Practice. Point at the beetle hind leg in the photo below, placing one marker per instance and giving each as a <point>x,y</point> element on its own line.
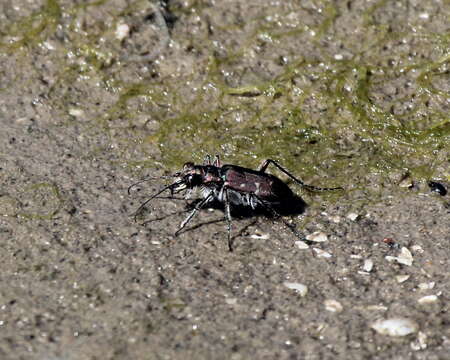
<point>267,162</point>
<point>275,213</point>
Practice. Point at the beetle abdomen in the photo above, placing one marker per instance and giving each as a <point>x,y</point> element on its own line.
<point>265,186</point>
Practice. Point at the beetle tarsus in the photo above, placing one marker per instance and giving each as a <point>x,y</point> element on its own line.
<point>267,162</point>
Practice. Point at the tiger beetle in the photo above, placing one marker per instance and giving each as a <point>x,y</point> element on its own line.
<point>233,186</point>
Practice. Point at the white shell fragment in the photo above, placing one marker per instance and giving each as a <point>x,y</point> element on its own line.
<point>300,288</point>
<point>352,216</point>
<point>317,236</point>
<point>428,299</point>
<point>231,301</point>
<point>395,326</point>
<point>76,112</point>
<point>321,253</point>
<point>302,245</point>
<point>401,278</point>
<point>258,235</point>
<point>421,343</point>
<point>405,257</point>
<point>426,286</point>
<point>368,265</point>
<point>333,305</point>
<point>122,31</point>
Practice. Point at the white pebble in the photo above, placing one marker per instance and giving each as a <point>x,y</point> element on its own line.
<point>231,301</point>
<point>317,236</point>
<point>426,286</point>
<point>421,343</point>
<point>336,219</point>
<point>301,245</point>
<point>352,216</point>
<point>427,299</point>
<point>405,257</point>
<point>417,249</point>
<point>76,112</point>
<point>338,56</point>
<point>122,31</point>
<point>300,288</point>
<point>395,326</point>
<point>321,253</point>
<point>401,278</point>
<point>368,265</point>
<point>260,236</point>
<point>333,305</point>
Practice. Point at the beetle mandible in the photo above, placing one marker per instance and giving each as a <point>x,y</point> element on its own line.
<point>232,186</point>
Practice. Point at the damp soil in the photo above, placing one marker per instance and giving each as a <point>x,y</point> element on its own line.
<point>97,95</point>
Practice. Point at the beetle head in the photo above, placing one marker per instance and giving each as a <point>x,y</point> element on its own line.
<point>190,176</point>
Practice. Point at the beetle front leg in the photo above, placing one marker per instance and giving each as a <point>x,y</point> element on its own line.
<point>197,207</point>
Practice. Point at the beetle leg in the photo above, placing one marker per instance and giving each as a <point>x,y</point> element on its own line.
<point>197,207</point>
<point>267,162</point>
<point>217,161</point>
<point>207,160</point>
<point>278,216</point>
<point>228,217</point>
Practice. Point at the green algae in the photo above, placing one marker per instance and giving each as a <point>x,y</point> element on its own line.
<point>34,28</point>
<point>321,116</point>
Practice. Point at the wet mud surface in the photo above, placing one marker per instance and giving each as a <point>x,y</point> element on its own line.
<point>353,95</point>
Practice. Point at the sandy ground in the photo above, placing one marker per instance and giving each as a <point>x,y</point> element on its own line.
<point>81,280</point>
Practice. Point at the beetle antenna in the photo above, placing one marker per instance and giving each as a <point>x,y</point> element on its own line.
<point>147,179</point>
<point>168,187</point>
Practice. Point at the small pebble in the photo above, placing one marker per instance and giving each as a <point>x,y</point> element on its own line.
<point>437,187</point>
<point>302,245</point>
<point>317,236</point>
<point>401,278</point>
<point>76,112</point>
<point>336,219</point>
<point>352,216</point>
<point>260,236</point>
<point>421,343</point>
<point>231,301</point>
<point>405,257</point>
<point>406,183</point>
<point>428,299</point>
<point>368,265</point>
<point>321,253</point>
<point>426,286</point>
<point>300,288</point>
<point>395,326</point>
<point>333,305</point>
<point>122,31</point>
